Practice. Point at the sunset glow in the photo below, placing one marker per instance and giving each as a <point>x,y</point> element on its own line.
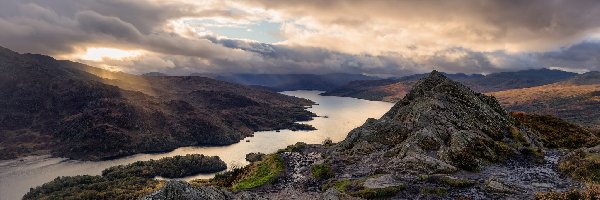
<point>99,54</point>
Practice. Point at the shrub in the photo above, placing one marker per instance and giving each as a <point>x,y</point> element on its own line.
<point>327,142</point>
<point>322,171</point>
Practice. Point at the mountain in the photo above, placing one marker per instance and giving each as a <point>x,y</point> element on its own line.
<point>576,99</point>
<point>285,82</point>
<point>443,126</point>
<point>441,141</point>
<point>81,112</point>
<point>392,90</point>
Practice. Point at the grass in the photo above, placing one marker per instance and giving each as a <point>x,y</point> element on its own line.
<point>322,171</point>
<point>555,132</point>
<point>261,173</point>
<point>582,165</point>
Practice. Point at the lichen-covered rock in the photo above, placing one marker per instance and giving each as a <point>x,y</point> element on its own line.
<point>442,126</point>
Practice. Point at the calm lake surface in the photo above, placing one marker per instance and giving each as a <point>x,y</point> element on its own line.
<point>343,114</point>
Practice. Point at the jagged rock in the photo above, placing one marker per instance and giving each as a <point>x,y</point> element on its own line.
<point>179,190</point>
<point>441,126</point>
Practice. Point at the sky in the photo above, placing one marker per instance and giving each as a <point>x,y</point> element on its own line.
<point>374,37</point>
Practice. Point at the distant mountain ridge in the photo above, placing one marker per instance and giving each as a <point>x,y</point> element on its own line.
<point>284,82</point>
<point>576,99</point>
<point>393,90</point>
<point>72,110</point>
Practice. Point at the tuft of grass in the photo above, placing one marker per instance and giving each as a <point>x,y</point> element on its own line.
<point>322,171</point>
<point>261,173</point>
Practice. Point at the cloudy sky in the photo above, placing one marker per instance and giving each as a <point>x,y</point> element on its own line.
<point>380,37</point>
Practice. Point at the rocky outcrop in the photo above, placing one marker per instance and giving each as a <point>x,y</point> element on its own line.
<point>441,126</point>
<point>176,190</point>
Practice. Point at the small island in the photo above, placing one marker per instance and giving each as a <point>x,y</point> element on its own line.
<point>127,181</point>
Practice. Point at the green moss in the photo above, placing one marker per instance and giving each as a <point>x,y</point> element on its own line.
<point>263,172</point>
<point>342,185</point>
<point>322,171</point>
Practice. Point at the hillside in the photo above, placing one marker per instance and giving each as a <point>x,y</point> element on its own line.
<point>576,100</point>
<point>286,82</point>
<point>441,141</point>
<point>77,111</point>
<point>392,90</point>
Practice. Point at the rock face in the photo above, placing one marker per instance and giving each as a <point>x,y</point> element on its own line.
<point>441,126</point>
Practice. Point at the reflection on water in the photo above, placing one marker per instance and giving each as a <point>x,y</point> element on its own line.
<point>343,114</point>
